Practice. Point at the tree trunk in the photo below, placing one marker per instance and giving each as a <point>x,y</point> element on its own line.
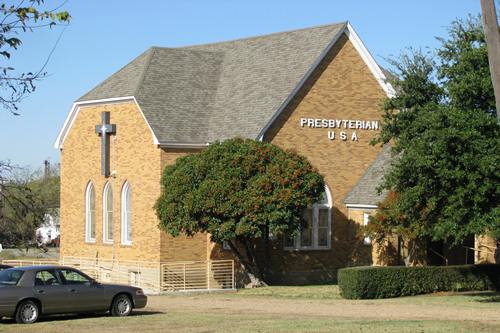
<point>249,264</point>
<point>267,251</point>
<point>417,253</point>
<point>492,34</point>
<point>497,252</point>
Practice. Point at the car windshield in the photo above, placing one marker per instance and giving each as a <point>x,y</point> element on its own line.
<point>10,276</point>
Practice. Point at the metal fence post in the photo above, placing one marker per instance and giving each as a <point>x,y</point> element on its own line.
<point>162,279</point>
<point>208,274</point>
<point>184,275</point>
<point>233,283</point>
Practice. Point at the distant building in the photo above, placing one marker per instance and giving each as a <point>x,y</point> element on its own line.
<point>49,231</point>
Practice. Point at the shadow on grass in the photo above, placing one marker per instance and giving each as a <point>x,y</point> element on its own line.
<point>72,316</point>
<point>480,296</point>
<point>486,297</point>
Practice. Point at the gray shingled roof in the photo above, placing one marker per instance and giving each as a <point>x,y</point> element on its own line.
<point>211,92</point>
<point>365,192</point>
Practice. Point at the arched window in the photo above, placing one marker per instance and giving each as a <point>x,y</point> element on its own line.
<point>107,210</point>
<point>126,214</point>
<point>90,213</point>
<point>316,234</point>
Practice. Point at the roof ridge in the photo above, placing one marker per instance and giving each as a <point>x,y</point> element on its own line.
<point>263,36</point>
<point>150,56</point>
<point>186,49</point>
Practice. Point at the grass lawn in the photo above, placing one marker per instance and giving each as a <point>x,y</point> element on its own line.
<point>289,309</point>
<point>32,253</point>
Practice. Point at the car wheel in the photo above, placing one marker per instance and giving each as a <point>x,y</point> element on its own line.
<point>27,312</point>
<point>121,306</point>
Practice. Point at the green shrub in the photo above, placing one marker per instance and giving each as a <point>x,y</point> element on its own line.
<point>395,281</point>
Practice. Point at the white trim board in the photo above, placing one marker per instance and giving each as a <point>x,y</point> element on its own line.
<point>362,206</point>
<point>183,145</point>
<point>368,59</point>
<point>75,109</point>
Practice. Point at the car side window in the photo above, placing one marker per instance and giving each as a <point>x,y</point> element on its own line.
<point>73,277</point>
<point>46,278</point>
<point>10,277</point>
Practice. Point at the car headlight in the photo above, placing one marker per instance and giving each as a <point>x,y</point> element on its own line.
<point>139,292</point>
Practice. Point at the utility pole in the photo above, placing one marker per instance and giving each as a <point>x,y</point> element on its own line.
<point>1,200</point>
<point>492,34</point>
<point>46,169</point>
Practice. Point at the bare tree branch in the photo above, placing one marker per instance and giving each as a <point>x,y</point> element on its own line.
<point>27,15</point>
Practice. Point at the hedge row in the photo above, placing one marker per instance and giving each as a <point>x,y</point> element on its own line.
<point>395,281</point>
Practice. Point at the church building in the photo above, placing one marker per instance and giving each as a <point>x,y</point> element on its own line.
<point>316,91</point>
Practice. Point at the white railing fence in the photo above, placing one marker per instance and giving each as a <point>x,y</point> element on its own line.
<point>153,277</point>
<point>198,275</point>
<point>29,262</point>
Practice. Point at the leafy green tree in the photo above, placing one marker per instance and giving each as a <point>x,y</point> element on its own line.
<point>445,140</point>
<point>463,69</point>
<point>239,191</point>
<point>20,17</point>
<point>447,176</point>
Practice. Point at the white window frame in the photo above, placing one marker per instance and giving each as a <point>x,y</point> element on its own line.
<point>105,222</point>
<point>366,218</point>
<point>125,209</point>
<point>88,214</point>
<point>315,219</point>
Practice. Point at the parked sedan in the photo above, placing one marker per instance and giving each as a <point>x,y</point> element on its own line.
<point>28,292</point>
<point>2,267</point>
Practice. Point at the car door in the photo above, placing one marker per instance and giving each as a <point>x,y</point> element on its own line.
<point>84,293</point>
<point>49,289</point>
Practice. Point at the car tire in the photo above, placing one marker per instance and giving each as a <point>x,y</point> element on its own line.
<point>121,306</point>
<point>27,312</point>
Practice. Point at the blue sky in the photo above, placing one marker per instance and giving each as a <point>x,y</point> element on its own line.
<point>105,35</point>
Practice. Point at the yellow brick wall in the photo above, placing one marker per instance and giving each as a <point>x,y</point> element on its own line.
<point>486,246</point>
<point>341,88</point>
<point>367,253</point>
<point>135,158</point>
<point>373,253</point>
<point>181,247</point>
